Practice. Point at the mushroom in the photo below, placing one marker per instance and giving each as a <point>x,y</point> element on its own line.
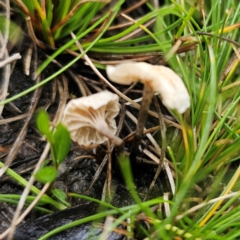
<point>90,119</point>
<point>160,79</point>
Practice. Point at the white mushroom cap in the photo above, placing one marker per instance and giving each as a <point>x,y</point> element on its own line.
<point>162,79</point>
<point>91,119</point>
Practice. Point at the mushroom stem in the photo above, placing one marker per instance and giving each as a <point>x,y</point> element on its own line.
<point>142,118</point>
<point>118,142</point>
<point>114,139</point>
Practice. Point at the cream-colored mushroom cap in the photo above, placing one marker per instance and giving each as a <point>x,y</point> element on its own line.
<point>162,79</point>
<point>90,119</point>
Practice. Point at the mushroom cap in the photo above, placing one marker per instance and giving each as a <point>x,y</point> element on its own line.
<point>169,85</point>
<point>128,72</point>
<point>163,80</point>
<point>88,117</point>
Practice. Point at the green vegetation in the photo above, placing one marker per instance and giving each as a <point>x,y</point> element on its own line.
<point>201,45</point>
<point>53,20</point>
<point>59,140</point>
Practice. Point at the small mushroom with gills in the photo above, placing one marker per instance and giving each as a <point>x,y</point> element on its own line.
<point>91,119</point>
<point>159,79</point>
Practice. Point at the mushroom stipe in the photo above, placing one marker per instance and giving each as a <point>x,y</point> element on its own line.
<point>142,118</point>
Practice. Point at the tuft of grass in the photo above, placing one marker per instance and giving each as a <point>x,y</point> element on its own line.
<point>50,21</point>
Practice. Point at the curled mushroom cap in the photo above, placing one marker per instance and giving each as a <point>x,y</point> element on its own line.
<point>162,79</point>
<point>90,120</point>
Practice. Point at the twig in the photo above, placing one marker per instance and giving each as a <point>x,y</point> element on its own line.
<point>109,171</point>
<point>27,60</point>
<point>32,34</point>
<point>13,119</point>
<point>10,59</point>
<point>220,37</point>
<point>164,146</point>
<point>142,117</point>
<point>4,82</point>
<point>138,30</point>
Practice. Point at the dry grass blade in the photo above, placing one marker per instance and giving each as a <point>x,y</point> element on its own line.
<point>137,31</point>
<point>201,205</point>
<point>32,34</point>
<point>109,170</point>
<point>232,63</point>
<point>220,37</point>
<point>27,60</point>
<point>98,172</point>
<point>10,59</point>
<point>12,119</point>
<point>6,33</point>
<point>4,82</point>
<point>106,228</point>
<point>166,204</point>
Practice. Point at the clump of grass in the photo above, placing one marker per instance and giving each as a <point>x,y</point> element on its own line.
<point>50,21</point>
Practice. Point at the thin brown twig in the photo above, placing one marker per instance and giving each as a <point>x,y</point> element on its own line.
<point>132,8</point>
<point>219,36</point>
<point>53,94</point>
<point>109,170</point>
<point>98,172</point>
<point>164,146</point>
<point>32,34</point>
<point>142,117</point>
